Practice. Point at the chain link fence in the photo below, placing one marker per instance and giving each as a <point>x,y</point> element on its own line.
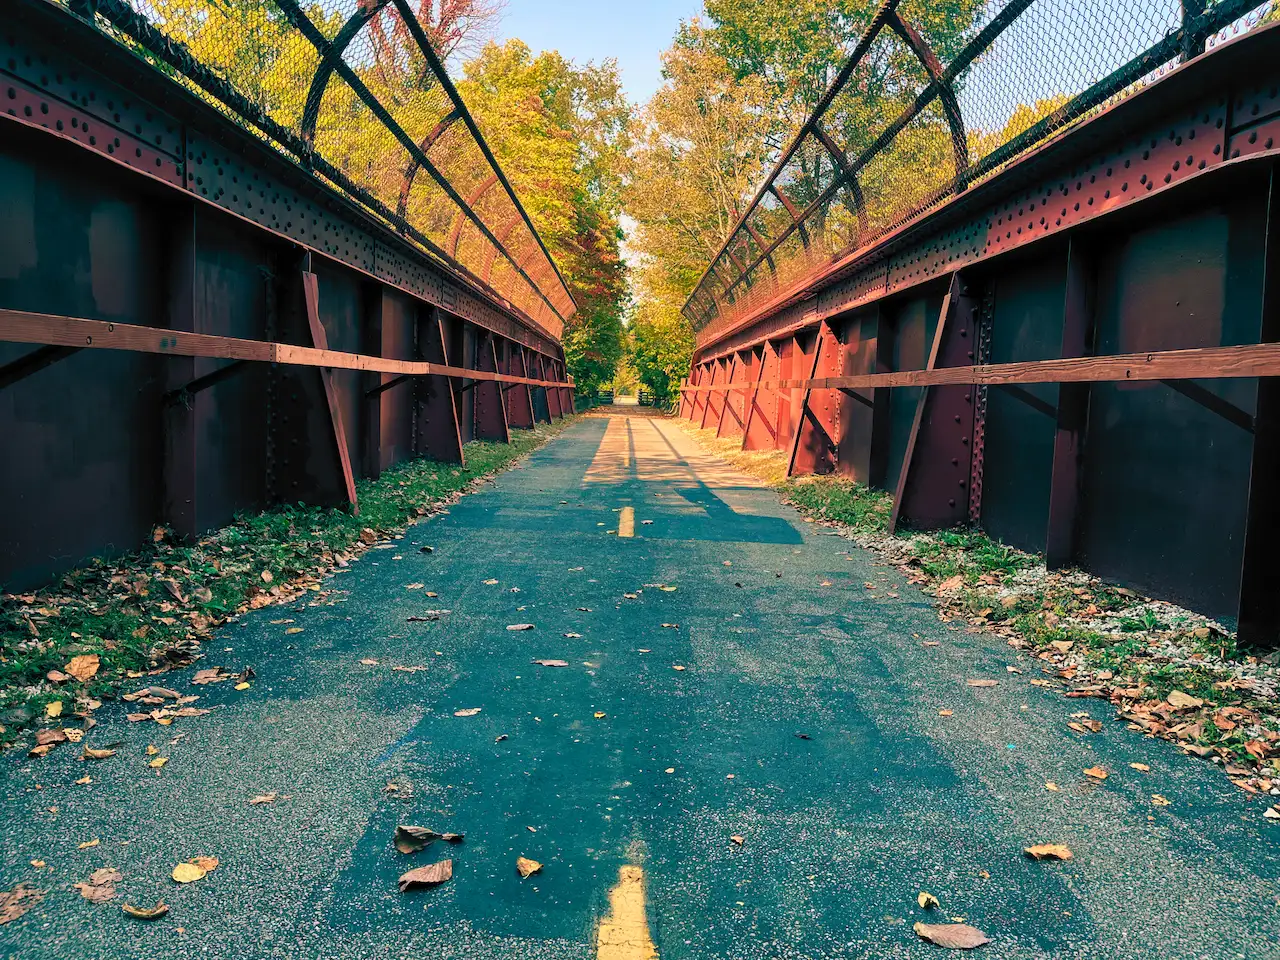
<point>354,91</point>
<point>934,98</point>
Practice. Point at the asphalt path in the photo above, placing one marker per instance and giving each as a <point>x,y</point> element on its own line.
<point>770,696</point>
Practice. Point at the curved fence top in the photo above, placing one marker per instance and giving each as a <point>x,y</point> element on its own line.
<point>353,90</point>
<point>934,98</point>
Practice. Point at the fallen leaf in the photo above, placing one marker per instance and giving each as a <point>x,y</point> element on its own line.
<point>468,712</point>
<point>53,708</point>
<point>944,713</point>
<point>414,586</point>
<point>158,762</point>
<point>428,876</point>
<point>1159,801</point>
<point>413,839</point>
<point>38,864</point>
<point>147,913</point>
<point>982,683</point>
<point>520,626</point>
<point>292,630</point>
<point>739,840</point>
<point>526,867</point>
<point>188,873</point>
<point>600,714</point>
<point>1051,786</point>
<point>499,738</point>
<point>927,901</point>
<point>14,903</point>
<point>83,667</point>
<point>955,936</point>
<point>207,864</point>
<point>1097,773</point>
<point>951,583</point>
<point>1038,682</point>
<point>1182,701</point>
<point>369,662</point>
<point>242,686</point>
<point>1049,851</point>
<point>1271,813</point>
<point>551,663</point>
<point>1142,767</point>
<point>262,798</point>
<point>574,636</point>
<point>676,666</point>
<point>490,582</point>
<point>88,844</point>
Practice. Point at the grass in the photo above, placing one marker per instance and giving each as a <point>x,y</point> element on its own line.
<point>152,606</point>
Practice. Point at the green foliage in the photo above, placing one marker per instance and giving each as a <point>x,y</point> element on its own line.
<point>561,133</point>
<point>661,344</point>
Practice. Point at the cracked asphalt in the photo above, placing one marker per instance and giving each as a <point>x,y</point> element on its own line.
<point>805,720</point>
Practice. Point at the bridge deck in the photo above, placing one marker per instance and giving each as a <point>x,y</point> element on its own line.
<point>778,636</point>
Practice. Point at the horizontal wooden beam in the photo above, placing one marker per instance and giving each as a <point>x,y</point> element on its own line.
<point>17,326</point>
<point>1200,363</point>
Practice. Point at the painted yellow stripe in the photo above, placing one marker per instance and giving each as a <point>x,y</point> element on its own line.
<point>627,522</point>
<point>624,933</point>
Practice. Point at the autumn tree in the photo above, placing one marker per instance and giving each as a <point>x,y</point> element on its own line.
<point>561,132</point>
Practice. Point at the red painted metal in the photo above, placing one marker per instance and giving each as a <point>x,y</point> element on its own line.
<point>816,443</point>
<point>933,484</point>
<point>519,400</point>
<point>490,410</point>
<point>761,432</point>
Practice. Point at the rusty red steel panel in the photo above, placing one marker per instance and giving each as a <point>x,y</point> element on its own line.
<point>790,362</point>
<point>933,484</point>
<point>762,413</point>
<point>490,410</point>
<point>816,443</point>
<point>731,419</point>
<point>519,400</point>
<point>436,413</point>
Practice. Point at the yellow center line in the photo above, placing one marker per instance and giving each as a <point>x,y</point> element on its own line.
<point>624,933</point>
<point>627,522</point>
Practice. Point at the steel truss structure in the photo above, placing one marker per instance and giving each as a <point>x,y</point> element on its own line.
<point>195,323</point>
<point>1078,354</point>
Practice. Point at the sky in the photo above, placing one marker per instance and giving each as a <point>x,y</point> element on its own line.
<point>633,31</point>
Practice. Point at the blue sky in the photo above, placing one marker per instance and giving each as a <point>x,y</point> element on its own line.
<point>633,31</point>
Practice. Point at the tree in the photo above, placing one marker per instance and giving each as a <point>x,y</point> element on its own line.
<point>561,133</point>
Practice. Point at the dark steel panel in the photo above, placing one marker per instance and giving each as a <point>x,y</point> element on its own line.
<point>230,300</point>
<point>1017,436</point>
<point>399,317</point>
<point>1165,479</point>
<point>914,323</point>
<point>86,429</point>
<point>857,416</point>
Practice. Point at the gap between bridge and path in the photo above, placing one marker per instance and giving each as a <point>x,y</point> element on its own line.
<point>728,676</point>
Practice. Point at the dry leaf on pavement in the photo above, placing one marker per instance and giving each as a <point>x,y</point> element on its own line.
<point>147,913</point>
<point>14,903</point>
<point>53,708</point>
<point>262,798</point>
<point>83,667</point>
<point>1097,773</point>
<point>1141,767</point>
<point>982,683</point>
<point>1049,851</point>
<point>413,839</point>
<point>100,887</point>
<point>88,844</point>
<point>955,936</point>
<point>927,901</point>
<point>468,712</point>
<point>188,873</point>
<point>1159,801</point>
<point>551,663</point>
<point>520,626</point>
<point>738,839</point>
<point>526,867</point>
<point>428,876</point>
